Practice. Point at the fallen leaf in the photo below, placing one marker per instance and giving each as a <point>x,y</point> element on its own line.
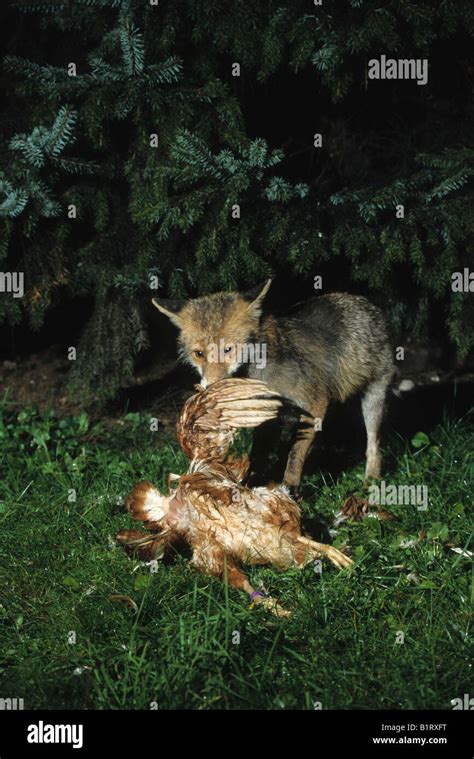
<point>125,600</point>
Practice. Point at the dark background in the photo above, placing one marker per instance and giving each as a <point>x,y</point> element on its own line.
<point>86,281</point>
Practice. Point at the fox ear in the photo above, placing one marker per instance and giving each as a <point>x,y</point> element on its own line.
<point>255,304</point>
<point>170,308</point>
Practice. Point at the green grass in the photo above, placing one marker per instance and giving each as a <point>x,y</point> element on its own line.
<point>181,649</point>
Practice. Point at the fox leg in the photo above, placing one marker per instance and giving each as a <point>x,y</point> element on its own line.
<point>302,444</point>
<point>373,402</point>
<point>319,550</point>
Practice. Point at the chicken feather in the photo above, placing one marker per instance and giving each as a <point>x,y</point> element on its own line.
<point>225,523</point>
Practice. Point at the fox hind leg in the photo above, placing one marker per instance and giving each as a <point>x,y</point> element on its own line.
<point>302,445</point>
<point>373,402</point>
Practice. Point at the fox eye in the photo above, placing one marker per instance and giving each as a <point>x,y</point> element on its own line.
<point>228,349</point>
<point>199,354</point>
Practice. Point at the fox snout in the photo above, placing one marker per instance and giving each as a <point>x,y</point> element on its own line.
<point>216,332</point>
<point>213,367</point>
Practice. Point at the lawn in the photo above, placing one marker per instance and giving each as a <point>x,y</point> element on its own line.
<point>390,633</point>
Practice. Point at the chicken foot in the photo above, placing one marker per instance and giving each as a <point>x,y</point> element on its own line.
<point>320,550</point>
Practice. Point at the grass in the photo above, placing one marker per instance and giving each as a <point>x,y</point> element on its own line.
<point>191,643</point>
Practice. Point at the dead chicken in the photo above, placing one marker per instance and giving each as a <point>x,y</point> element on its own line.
<point>225,523</point>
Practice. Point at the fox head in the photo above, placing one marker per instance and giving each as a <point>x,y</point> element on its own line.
<point>214,329</point>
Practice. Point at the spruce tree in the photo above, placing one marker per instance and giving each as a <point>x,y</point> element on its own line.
<point>127,162</point>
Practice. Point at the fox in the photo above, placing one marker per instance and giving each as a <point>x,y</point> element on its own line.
<point>328,349</point>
